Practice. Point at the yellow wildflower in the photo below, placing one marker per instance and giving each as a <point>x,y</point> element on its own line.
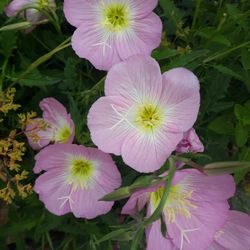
<point>6,101</point>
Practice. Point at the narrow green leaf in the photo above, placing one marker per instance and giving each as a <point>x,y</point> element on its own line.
<point>118,194</point>
<point>137,239</point>
<point>220,168</point>
<point>225,70</point>
<point>245,59</point>
<point>164,54</point>
<point>212,35</point>
<point>16,26</point>
<point>171,11</point>
<point>241,134</point>
<point>184,60</point>
<point>123,232</point>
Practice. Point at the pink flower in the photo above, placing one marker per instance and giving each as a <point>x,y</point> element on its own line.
<point>195,209</point>
<point>235,234</point>
<point>33,12</point>
<point>190,143</point>
<point>109,31</point>
<point>76,178</point>
<point>144,114</point>
<point>56,125</point>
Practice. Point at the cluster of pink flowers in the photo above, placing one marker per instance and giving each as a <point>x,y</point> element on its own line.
<point>144,117</point>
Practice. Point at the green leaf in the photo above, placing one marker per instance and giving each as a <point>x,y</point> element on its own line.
<point>8,42</point>
<point>118,194</point>
<point>222,125</point>
<point>124,192</point>
<point>164,54</point>
<point>3,4</point>
<point>212,35</point>
<point>163,227</point>
<point>227,71</point>
<point>171,11</point>
<point>241,134</point>
<point>240,175</point>
<point>243,156</point>
<point>16,26</point>
<point>184,60</point>
<point>220,168</point>
<point>36,79</point>
<point>242,113</point>
<point>17,227</point>
<point>122,233</point>
<point>245,58</point>
<point>137,239</point>
<point>70,75</point>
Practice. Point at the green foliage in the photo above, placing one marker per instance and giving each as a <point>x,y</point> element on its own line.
<point>212,38</point>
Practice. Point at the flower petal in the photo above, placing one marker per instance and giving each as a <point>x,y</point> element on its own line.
<point>190,143</point>
<point>85,203</point>
<point>108,124</point>
<point>52,109</point>
<point>155,239</point>
<point>78,11</point>
<point>141,38</point>
<point>205,220</point>
<point>141,8</point>
<point>56,115</point>
<point>108,176</point>
<point>236,232</point>
<point>216,246</point>
<point>182,99</point>
<point>15,6</point>
<point>93,42</point>
<point>148,152</point>
<point>55,156</point>
<point>208,188</point>
<point>51,187</point>
<point>45,136</point>
<point>137,201</point>
<point>137,79</point>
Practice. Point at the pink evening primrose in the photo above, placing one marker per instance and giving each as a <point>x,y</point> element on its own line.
<point>143,115</point>
<point>76,178</point>
<point>58,125</point>
<point>190,143</point>
<point>235,234</point>
<point>32,13</point>
<point>195,210</point>
<point>109,31</point>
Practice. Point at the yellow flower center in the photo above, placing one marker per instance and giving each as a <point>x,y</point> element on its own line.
<point>149,117</point>
<point>116,17</point>
<point>62,134</point>
<point>177,202</point>
<point>81,171</point>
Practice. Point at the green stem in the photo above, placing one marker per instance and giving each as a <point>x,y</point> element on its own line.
<point>216,56</point>
<point>158,211</point>
<point>43,59</point>
<point>196,13</point>
<point>156,215</point>
<point>218,11</point>
<point>188,162</point>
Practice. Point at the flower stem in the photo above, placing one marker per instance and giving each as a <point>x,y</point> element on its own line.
<point>43,59</point>
<point>216,56</point>
<point>155,216</point>
<point>196,13</point>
